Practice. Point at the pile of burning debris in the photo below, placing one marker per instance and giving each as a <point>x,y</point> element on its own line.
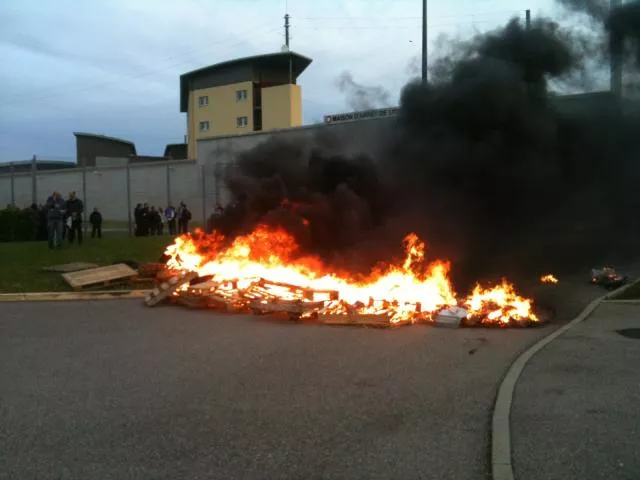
<point>264,273</point>
<point>607,277</point>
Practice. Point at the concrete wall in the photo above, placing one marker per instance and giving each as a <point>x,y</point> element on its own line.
<point>5,192</point>
<point>62,181</point>
<point>199,184</point>
<point>104,162</point>
<point>350,138</point>
<point>106,187</point>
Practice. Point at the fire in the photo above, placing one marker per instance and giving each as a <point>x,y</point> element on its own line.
<point>499,304</point>
<point>550,278</point>
<point>267,263</point>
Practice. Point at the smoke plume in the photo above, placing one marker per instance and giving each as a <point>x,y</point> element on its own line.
<point>498,174</point>
<point>359,96</point>
<point>596,9</point>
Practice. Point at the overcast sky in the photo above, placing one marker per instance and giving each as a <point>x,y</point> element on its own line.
<point>112,66</point>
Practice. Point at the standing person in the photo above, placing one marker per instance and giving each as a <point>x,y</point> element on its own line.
<point>170,215</point>
<point>154,219</point>
<point>146,219</point>
<point>137,215</point>
<point>55,216</point>
<point>75,207</point>
<point>96,223</point>
<point>184,215</point>
<point>161,221</point>
<point>65,225</point>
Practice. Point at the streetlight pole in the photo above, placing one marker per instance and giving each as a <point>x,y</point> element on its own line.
<point>424,41</point>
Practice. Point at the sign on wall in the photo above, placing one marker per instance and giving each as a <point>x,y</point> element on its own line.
<point>365,114</point>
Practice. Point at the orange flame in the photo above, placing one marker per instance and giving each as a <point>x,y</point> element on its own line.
<point>549,279</point>
<point>499,304</point>
<point>410,291</point>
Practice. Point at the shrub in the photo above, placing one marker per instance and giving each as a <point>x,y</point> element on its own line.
<point>18,225</point>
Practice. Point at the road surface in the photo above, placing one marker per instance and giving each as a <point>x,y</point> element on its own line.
<point>115,390</point>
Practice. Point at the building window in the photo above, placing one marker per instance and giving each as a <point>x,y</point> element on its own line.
<point>241,95</point>
<point>242,122</point>
<point>204,126</point>
<point>203,101</point>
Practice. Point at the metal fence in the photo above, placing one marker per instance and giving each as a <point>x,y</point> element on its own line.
<point>117,190</point>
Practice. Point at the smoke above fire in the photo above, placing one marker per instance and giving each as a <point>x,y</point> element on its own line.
<point>360,96</point>
<point>494,170</point>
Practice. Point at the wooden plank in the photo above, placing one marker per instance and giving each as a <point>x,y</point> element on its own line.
<point>151,269</point>
<point>100,275</point>
<point>167,288</point>
<point>292,306</point>
<point>305,292</point>
<point>70,267</point>
<point>364,319</point>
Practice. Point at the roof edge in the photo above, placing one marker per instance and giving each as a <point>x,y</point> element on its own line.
<point>103,137</point>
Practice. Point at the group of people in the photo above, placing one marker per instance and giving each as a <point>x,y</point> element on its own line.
<point>151,220</point>
<point>64,219</point>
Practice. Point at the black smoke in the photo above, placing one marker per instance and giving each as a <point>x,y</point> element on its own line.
<point>623,25</point>
<point>496,172</point>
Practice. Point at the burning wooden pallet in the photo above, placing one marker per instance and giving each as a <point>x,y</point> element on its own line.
<point>295,309</point>
<point>267,289</point>
<point>376,320</point>
<point>166,289</point>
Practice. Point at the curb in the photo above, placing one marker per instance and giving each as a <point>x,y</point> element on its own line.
<point>623,302</point>
<point>501,462</point>
<point>73,296</point>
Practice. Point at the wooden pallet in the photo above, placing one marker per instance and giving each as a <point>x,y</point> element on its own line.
<point>101,276</point>
<point>295,307</point>
<point>267,287</point>
<point>70,267</point>
<point>378,320</point>
<point>150,270</point>
<point>167,288</point>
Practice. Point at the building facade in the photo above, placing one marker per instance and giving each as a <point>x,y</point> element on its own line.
<point>241,96</point>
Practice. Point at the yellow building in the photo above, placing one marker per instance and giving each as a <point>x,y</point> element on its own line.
<point>243,95</point>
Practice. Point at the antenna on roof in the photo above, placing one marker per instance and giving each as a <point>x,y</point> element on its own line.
<point>285,47</point>
<point>286,30</point>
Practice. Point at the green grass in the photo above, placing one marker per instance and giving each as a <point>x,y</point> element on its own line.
<point>631,293</point>
<point>21,263</point>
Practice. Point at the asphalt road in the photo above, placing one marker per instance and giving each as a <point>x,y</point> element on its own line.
<point>576,408</point>
<point>115,390</point>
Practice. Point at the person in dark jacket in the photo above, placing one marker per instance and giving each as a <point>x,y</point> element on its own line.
<point>137,215</point>
<point>75,208</point>
<point>146,220</point>
<point>96,223</point>
<point>55,214</point>
<point>161,221</point>
<point>184,215</point>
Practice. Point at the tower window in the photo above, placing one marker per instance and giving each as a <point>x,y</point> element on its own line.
<point>242,122</point>
<point>203,101</point>
<point>241,95</point>
<point>204,126</point>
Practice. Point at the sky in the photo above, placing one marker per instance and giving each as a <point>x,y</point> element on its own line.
<point>112,67</point>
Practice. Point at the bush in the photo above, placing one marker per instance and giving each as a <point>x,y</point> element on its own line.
<point>18,225</point>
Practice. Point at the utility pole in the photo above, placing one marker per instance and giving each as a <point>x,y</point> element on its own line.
<point>616,57</point>
<point>528,19</point>
<point>424,42</point>
<point>34,180</point>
